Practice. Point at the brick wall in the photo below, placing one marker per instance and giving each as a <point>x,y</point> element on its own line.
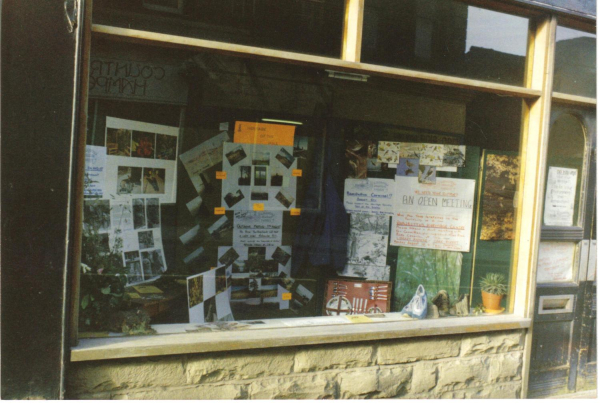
<point>486,365</point>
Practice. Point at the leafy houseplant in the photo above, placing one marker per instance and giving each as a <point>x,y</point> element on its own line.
<point>493,289</point>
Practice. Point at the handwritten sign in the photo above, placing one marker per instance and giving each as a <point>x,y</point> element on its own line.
<point>372,195</point>
<point>95,163</point>
<point>560,196</point>
<point>555,261</point>
<point>257,229</point>
<point>264,133</point>
<point>434,216</point>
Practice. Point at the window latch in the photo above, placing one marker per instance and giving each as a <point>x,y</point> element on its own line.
<point>71,7</point>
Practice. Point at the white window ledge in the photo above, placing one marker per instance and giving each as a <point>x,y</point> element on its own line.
<point>177,339</point>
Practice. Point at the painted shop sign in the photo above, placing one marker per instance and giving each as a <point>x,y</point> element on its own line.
<point>136,80</point>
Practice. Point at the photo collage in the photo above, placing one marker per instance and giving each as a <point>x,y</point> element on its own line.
<point>208,296</point>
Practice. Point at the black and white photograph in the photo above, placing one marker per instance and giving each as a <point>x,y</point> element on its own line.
<point>133,266</point>
<point>239,266</point>
<point>281,256</point>
<point>284,199</point>
<point>166,147</point>
<point>152,263</point>
<point>229,257</point>
<point>118,142</point>
<point>277,176</point>
<point>153,213</point>
<point>154,181</point>
<point>220,280</point>
<point>259,195</point>
<point>245,176</point>
<point>139,213</point>
<point>129,180</point>
<point>260,176</point>
<point>96,215</point>
<point>368,239</point>
<point>285,158</point>
<point>236,155</point>
<point>261,158</point>
<point>220,227</point>
<point>233,197</point>
<point>210,310</point>
<point>300,147</point>
<point>146,239</point>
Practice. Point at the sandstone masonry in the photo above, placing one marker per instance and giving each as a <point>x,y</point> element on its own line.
<point>485,365</point>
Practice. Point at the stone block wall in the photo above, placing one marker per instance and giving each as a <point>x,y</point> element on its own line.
<point>483,365</point>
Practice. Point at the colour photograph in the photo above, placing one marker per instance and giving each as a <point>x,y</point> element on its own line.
<point>195,291</point>
<point>142,144</point>
<point>118,142</point>
<point>284,199</point>
<point>260,176</point>
<point>245,176</point>
<point>166,147</point>
<point>154,181</point>
<point>129,180</point>
<point>146,239</point>
<point>233,197</point>
<point>285,158</point>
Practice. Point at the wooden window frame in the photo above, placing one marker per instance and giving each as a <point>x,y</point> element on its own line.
<point>537,97</point>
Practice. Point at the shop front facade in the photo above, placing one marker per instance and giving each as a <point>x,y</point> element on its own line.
<point>252,199</point>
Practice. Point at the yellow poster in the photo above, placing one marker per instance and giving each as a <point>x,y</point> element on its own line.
<point>264,133</point>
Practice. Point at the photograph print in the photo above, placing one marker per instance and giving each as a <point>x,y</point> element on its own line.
<point>229,257</point>
<point>118,142</point>
<point>300,147</point>
<point>236,155</point>
<point>220,228</point>
<point>154,181</point>
<point>166,147</point>
<point>281,256</point>
<point>139,213</point>
<point>284,199</point>
<point>285,158</point>
<point>96,215</point>
<point>232,198</point>
<point>259,194</point>
<point>146,239</point>
<point>220,280</point>
<point>261,158</point>
<point>142,144</point>
<point>152,263</point>
<point>245,176</point>
<point>153,213</point>
<point>210,310</point>
<point>427,174</point>
<point>277,176</point>
<point>454,156</point>
<point>133,267</point>
<point>129,180</point>
<point>195,291</point>
<point>407,167</point>
<point>260,176</point>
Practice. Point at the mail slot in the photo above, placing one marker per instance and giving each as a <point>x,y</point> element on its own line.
<point>556,304</point>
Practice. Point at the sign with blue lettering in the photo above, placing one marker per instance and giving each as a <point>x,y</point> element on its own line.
<point>371,195</point>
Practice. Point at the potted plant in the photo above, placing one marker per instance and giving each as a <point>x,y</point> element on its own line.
<point>493,289</point>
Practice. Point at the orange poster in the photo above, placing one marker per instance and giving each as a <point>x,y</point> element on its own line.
<point>264,133</point>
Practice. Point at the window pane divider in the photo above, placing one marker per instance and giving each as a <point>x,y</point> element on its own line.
<point>577,100</point>
<point>158,39</point>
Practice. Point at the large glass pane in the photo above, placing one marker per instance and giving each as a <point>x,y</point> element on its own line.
<point>305,26</point>
<point>566,159</point>
<point>447,37</point>
<point>575,62</point>
<point>222,188</point>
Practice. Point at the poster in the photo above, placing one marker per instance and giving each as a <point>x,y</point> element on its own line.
<point>257,271</point>
<point>208,296</point>
<point>258,174</point>
<point>500,187</point>
<point>202,157</point>
<point>434,269</point>
<point>560,196</point>
<point>429,154</point>
<point>257,229</point>
<point>433,216</point>
<point>264,133</point>
<point>141,160</point>
<point>95,166</point>
<point>372,195</point>
<point>555,261</point>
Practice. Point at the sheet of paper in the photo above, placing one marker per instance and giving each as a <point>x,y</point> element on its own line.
<point>431,154</point>
<point>372,195</point>
<point>202,157</point>
<point>264,133</point>
<point>258,173</point>
<point>257,229</point>
<point>208,296</point>
<point>141,160</point>
<point>433,216</point>
<point>560,196</point>
<point>95,170</point>
<point>555,261</point>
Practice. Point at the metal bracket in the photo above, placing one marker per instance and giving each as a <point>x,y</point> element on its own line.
<point>71,11</point>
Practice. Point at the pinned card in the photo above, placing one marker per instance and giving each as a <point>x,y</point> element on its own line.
<point>295,212</point>
<point>220,211</point>
<point>296,172</point>
<point>286,296</point>
<point>259,207</point>
<point>221,175</point>
<point>264,133</point>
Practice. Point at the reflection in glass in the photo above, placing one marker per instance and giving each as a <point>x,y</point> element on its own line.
<point>448,37</point>
<point>575,62</point>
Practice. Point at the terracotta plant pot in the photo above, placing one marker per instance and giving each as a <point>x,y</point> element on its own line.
<point>490,301</point>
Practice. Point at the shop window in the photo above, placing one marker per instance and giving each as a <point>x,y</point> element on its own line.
<point>575,62</point>
<point>230,192</point>
<point>305,26</point>
<point>446,37</point>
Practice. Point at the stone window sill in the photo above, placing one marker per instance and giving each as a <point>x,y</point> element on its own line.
<point>177,339</point>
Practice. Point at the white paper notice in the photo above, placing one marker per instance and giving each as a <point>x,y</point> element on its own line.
<point>202,157</point>
<point>434,216</point>
<point>560,196</point>
<point>141,160</point>
<point>95,164</point>
<point>257,229</point>
<point>372,195</point>
<point>555,261</point>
